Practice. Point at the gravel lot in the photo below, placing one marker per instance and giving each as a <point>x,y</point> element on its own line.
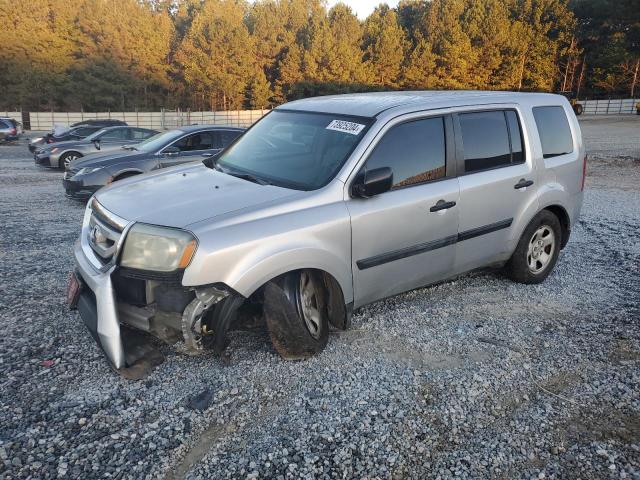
<point>478,377</point>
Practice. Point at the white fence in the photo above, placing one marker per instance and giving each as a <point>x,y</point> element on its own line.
<point>158,120</point>
<point>240,118</point>
<point>609,107</point>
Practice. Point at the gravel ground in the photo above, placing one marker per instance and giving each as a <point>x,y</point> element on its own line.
<point>478,377</point>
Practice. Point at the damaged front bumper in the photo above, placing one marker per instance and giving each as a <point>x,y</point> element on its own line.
<point>112,297</point>
<point>98,309</point>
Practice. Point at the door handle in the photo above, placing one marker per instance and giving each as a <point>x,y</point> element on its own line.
<point>523,183</point>
<point>442,205</point>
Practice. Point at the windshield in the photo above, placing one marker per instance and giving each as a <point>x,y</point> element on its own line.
<point>158,141</point>
<point>299,150</point>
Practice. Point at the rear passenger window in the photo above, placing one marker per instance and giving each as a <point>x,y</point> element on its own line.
<point>553,127</point>
<point>415,152</point>
<point>491,139</point>
<point>139,134</point>
<point>228,136</point>
<point>515,136</point>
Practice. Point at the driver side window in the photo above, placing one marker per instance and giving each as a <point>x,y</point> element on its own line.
<point>195,142</point>
<point>415,151</point>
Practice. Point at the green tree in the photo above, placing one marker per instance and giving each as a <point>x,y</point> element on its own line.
<point>122,55</point>
<point>385,46</point>
<point>216,58</point>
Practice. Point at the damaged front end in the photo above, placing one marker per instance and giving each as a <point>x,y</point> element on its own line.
<point>111,296</point>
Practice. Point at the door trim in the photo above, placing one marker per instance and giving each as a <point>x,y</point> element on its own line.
<point>394,255</point>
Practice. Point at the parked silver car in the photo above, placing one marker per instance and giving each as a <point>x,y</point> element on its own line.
<point>328,204</point>
<point>86,175</point>
<point>61,154</point>
<point>10,129</point>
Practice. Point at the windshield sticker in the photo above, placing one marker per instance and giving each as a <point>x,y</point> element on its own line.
<point>345,127</point>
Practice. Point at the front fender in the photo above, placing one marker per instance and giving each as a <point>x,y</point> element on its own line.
<point>250,276</point>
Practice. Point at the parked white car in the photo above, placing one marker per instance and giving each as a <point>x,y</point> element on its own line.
<point>325,205</point>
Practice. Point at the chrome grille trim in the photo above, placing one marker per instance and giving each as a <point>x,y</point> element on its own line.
<point>107,217</point>
<point>102,254</point>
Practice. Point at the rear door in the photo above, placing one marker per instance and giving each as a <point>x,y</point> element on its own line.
<point>405,238</point>
<point>497,183</point>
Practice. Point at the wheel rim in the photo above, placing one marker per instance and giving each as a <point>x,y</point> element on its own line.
<point>310,304</point>
<point>68,159</point>
<point>541,248</point>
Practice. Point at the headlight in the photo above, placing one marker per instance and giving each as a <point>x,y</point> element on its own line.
<point>35,140</point>
<point>161,249</point>
<point>85,170</point>
<point>54,150</point>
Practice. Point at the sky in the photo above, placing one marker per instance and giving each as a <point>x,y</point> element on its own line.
<point>363,8</point>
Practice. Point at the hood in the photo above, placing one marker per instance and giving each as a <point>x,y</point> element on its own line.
<point>67,144</point>
<point>108,158</point>
<point>180,196</point>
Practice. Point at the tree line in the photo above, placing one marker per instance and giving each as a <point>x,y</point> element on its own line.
<point>230,54</point>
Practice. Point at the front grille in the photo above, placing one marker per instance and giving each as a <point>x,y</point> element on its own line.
<point>104,232</point>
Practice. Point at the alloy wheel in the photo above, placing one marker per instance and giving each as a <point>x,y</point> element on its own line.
<point>310,301</point>
<point>541,249</point>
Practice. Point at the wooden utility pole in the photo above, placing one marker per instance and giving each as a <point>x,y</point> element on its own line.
<point>581,76</point>
<point>634,79</point>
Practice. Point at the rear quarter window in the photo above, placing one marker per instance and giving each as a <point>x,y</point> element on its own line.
<point>554,131</point>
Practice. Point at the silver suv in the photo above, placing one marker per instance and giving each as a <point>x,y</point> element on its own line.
<point>325,205</point>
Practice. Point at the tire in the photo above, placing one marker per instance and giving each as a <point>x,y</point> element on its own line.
<point>67,158</point>
<point>578,109</point>
<point>537,251</point>
<point>296,314</point>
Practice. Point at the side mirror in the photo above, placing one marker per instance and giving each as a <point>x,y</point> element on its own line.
<point>210,159</point>
<point>369,183</point>
<point>96,143</point>
<point>171,151</point>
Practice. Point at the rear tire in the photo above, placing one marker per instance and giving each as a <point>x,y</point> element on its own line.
<point>537,251</point>
<point>295,309</point>
<point>578,109</point>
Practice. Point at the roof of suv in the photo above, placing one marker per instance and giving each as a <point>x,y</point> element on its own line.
<point>374,103</point>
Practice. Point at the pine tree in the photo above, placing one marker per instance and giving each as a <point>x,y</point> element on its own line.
<point>216,58</point>
<point>384,45</point>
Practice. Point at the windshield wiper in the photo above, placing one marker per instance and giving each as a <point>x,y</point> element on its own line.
<point>242,175</point>
<point>249,177</point>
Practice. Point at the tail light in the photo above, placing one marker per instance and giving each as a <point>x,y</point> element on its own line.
<point>49,140</point>
<point>13,131</point>
<point>584,172</point>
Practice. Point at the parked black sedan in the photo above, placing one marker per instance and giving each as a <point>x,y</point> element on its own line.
<point>186,144</point>
<point>76,131</point>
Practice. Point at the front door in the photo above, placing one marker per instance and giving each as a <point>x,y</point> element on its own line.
<point>497,184</point>
<point>405,238</point>
<point>115,138</point>
<point>193,147</point>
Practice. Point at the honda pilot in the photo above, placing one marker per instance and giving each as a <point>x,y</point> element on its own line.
<point>325,205</point>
